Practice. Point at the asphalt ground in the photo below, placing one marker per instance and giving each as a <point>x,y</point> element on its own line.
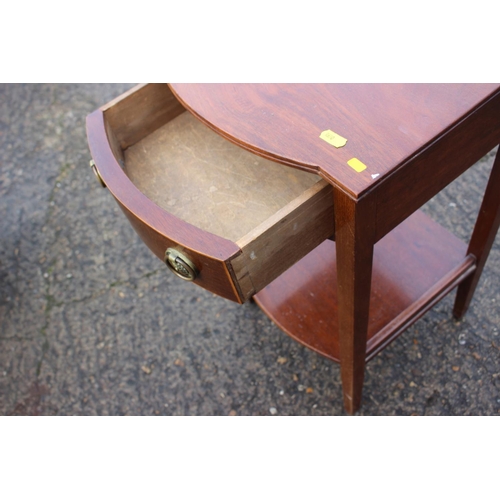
<point>91,323</point>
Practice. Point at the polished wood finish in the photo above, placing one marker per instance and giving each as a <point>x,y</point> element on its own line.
<point>384,124</point>
<point>424,175</point>
<point>414,267</point>
<point>485,230</point>
<point>415,139</point>
<point>355,237</point>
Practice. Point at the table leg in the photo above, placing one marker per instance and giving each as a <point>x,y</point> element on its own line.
<point>483,236</point>
<point>354,235</point>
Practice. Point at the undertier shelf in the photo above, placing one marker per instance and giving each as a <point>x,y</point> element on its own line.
<point>414,267</point>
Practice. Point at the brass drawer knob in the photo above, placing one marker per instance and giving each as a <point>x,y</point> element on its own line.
<point>93,166</point>
<point>180,265</point>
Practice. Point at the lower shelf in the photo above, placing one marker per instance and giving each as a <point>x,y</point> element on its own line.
<point>414,267</point>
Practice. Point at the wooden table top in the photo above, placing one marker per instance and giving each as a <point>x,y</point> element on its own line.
<point>385,124</point>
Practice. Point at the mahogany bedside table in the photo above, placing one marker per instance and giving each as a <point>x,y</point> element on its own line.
<point>318,219</point>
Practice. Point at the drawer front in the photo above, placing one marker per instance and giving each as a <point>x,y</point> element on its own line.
<point>211,273</point>
<point>156,227</point>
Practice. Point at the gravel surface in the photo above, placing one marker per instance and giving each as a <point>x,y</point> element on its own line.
<point>91,323</point>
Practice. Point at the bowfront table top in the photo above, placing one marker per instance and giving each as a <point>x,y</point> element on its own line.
<point>384,124</point>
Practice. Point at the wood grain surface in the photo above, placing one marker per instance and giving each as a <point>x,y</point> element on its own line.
<point>354,238</point>
<point>139,112</point>
<point>284,238</point>
<point>482,239</point>
<point>384,124</point>
<point>412,265</point>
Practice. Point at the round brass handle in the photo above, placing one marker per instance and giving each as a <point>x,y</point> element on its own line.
<point>180,265</point>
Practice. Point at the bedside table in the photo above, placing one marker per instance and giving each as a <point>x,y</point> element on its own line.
<point>306,198</point>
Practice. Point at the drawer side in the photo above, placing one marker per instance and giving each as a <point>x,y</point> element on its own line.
<point>140,112</point>
<point>283,239</point>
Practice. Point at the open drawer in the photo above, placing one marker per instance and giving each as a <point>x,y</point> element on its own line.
<point>217,214</point>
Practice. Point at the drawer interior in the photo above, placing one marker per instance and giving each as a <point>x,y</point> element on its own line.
<point>200,177</point>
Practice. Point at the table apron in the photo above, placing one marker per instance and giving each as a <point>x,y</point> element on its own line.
<point>436,166</point>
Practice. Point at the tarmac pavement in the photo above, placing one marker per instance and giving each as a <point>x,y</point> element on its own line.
<point>91,323</point>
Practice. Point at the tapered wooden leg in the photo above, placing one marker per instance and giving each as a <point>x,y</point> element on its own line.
<point>354,235</point>
<point>483,236</point>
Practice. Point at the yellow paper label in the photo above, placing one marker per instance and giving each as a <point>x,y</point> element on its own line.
<point>332,138</point>
<point>356,165</point>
